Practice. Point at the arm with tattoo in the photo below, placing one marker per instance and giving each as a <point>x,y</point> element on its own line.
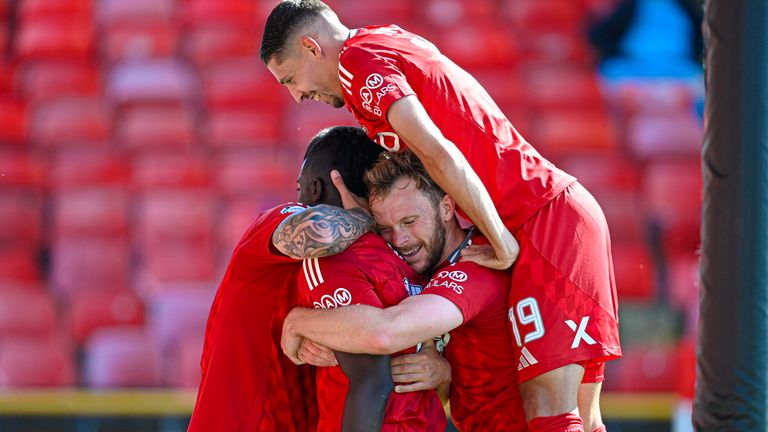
<point>320,231</point>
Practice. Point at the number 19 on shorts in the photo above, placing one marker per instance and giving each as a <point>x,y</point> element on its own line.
<point>525,313</point>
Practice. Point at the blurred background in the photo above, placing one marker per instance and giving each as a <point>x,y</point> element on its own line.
<point>139,139</point>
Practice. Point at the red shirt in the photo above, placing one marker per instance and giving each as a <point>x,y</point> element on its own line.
<point>484,389</point>
<point>381,64</point>
<point>368,272</point>
<point>247,384</point>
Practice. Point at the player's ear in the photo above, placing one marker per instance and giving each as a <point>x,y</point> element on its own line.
<point>447,208</point>
<point>317,190</point>
<point>310,45</point>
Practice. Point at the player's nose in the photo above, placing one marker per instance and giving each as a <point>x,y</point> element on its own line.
<point>400,237</point>
<point>297,95</point>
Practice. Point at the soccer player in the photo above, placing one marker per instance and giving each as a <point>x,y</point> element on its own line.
<point>246,383</point>
<point>417,218</point>
<point>368,272</point>
<point>406,94</point>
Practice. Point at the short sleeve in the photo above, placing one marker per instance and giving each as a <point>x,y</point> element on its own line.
<point>373,82</point>
<point>467,285</point>
<point>334,281</point>
<point>256,243</point>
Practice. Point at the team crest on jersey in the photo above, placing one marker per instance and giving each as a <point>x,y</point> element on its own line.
<point>291,209</point>
<point>412,289</point>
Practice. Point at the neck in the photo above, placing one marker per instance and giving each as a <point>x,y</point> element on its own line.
<point>454,237</point>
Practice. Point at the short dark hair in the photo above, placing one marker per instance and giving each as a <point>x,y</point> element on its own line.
<point>282,23</point>
<point>391,167</point>
<point>346,149</point>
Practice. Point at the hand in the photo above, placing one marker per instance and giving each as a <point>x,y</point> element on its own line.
<point>291,342</point>
<point>424,370</point>
<point>316,354</point>
<point>348,199</point>
<point>485,255</point>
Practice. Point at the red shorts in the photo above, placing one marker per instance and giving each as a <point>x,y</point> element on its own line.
<point>562,305</point>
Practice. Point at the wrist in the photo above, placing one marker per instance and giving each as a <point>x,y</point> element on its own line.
<point>364,217</point>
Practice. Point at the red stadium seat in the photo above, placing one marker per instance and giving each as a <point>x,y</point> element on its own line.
<point>301,122</point>
<point>178,314</point>
<point>95,210</point>
<point>26,313</point>
<point>550,15</point>
<point>563,88</point>
<point>36,9</point>
<point>182,368</point>
<point>241,81</point>
<point>138,40</point>
<point>6,72</point>
<point>21,170</point>
<point>644,368</point>
<point>625,213</point>
<point>634,271</point>
<point>600,171</point>
<point>254,127</point>
<point>156,81</point>
<point>46,78</point>
<point>174,214</point>
<point>447,13</point>
<point>156,129</point>
<point>36,362</point>
<point>93,309</point>
<point>673,192</point>
<point>238,13</point>
<point>479,45</point>
<point>121,357</point>
<point>683,280</point>
<point>659,136</point>
<point>19,264</point>
<point>211,43</point>
<point>69,121</point>
<point>21,217</point>
<point>87,168</point>
<point>503,85</point>
<point>13,121</point>
<point>254,173</point>
<point>555,48</point>
<point>361,13</point>
<point>239,215</point>
<point>55,38</point>
<point>170,172</point>
<point>86,261</point>
<point>117,12</point>
<point>563,133</point>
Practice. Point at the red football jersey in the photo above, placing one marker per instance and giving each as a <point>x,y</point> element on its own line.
<point>368,272</point>
<point>247,384</point>
<point>484,387</point>
<point>381,64</point>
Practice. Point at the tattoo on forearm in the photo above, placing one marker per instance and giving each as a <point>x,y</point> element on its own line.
<point>321,230</point>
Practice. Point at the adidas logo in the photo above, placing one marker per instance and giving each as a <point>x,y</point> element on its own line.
<point>526,359</point>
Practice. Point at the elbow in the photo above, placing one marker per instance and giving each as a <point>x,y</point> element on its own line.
<point>382,342</point>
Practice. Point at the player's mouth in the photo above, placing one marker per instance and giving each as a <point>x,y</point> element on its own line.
<point>410,252</point>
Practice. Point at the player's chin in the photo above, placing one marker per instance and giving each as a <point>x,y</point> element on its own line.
<point>337,103</point>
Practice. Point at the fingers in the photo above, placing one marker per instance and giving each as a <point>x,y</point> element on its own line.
<point>483,255</point>
<point>417,386</point>
<point>338,181</point>
<point>411,377</point>
<point>316,355</point>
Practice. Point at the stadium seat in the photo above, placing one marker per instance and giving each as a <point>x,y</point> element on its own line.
<point>182,367</point>
<point>601,171</point>
<point>121,357</point>
<point>301,122</point>
<point>634,270</point>
<point>36,362</point>
<point>259,126</point>
<point>6,73</point>
<point>563,133</point>
<point>555,48</point>
<point>19,264</point>
<point>117,12</point>
<point>152,81</point>
<point>479,45</point>
<point>644,368</point>
<point>503,84</point>
<point>235,13</point>
<point>174,214</point>
<point>169,172</point>
<point>562,88</point>
<point>22,170</point>
<point>21,217</point>
<point>12,121</point>
<point>673,192</point>
<point>83,262</point>
<point>549,15</point>
<point>138,40</point>
<point>659,136</point>
<point>683,280</point>
<point>238,216</point>
<point>217,42</point>
<point>626,215</point>
<point>363,13</point>
<point>26,313</point>
<point>55,38</point>
<point>178,314</point>
<point>82,168</point>
<point>96,210</point>
<point>241,81</point>
<point>37,9</point>
<point>447,13</point>
<point>69,122</point>
<point>257,173</point>
<point>48,78</point>
<point>92,309</point>
<point>156,129</point>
